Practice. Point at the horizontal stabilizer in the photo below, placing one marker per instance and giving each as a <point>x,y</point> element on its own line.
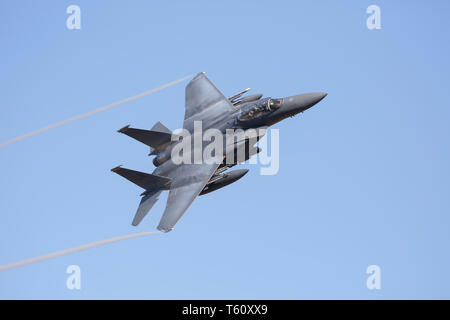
<point>144,180</point>
<point>156,139</point>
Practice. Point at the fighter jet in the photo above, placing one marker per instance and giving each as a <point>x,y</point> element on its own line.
<point>185,181</point>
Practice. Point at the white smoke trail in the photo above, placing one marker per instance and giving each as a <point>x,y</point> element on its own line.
<point>91,113</point>
<point>72,250</point>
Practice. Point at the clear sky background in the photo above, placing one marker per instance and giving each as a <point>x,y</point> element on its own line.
<point>364,175</point>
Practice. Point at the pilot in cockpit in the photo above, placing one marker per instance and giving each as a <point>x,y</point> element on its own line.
<point>273,104</point>
<point>260,109</point>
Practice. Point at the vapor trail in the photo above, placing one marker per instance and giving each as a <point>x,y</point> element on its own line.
<point>72,250</point>
<point>91,113</point>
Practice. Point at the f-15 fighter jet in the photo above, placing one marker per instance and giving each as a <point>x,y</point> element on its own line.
<point>204,104</point>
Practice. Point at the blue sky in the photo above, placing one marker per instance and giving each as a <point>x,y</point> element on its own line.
<point>363,179</point>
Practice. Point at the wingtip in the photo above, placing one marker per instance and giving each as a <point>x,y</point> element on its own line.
<point>165,230</point>
<point>115,169</point>
<point>122,130</point>
<point>200,74</point>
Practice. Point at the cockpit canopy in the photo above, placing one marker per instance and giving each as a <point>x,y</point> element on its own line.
<point>263,107</point>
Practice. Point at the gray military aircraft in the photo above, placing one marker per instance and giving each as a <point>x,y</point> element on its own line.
<point>185,181</point>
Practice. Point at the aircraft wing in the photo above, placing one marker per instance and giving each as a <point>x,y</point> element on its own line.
<point>188,180</point>
<point>204,102</point>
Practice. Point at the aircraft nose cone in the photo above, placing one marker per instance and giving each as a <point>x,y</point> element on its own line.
<point>302,102</point>
<point>290,106</point>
